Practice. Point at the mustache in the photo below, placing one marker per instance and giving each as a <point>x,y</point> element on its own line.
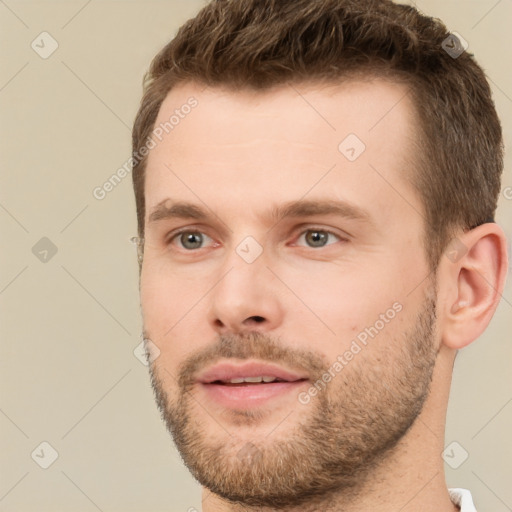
<point>245,346</point>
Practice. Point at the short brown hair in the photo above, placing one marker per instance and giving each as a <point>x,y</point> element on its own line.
<point>259,44</point>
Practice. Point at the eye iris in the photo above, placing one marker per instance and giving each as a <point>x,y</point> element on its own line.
<point>195,239</point>
<point>317,236</point>
<point>317,239</point>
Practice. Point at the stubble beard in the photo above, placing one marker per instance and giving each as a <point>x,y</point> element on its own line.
<point>338,438</point>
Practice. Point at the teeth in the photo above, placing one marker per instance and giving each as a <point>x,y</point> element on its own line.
<point>251,379</point>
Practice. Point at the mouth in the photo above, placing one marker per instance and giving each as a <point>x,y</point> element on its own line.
<point>249,385</point>
<point>267,379</point>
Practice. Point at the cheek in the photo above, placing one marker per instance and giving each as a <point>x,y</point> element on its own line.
<point>163,300</point>
<point>166,312</point>
<point>343,311</point>
<point>343,299</point>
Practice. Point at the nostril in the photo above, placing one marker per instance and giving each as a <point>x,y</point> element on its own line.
<point>258,319</point>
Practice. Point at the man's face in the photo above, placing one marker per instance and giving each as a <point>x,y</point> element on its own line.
<point>336,303</point>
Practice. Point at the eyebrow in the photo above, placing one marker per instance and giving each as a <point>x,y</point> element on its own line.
<point>298,208</point>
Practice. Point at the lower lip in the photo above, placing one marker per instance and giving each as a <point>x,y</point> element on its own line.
<point>250,395</point>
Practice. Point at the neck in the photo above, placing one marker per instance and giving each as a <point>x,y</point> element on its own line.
<point>410,478</point>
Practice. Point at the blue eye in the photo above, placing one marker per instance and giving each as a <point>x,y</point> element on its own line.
<point>190,240</point>
<point>317,237</point>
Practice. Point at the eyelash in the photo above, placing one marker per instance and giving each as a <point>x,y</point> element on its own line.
<point>176,234</point>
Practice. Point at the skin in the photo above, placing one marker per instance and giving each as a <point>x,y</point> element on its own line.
<point>236,154</point>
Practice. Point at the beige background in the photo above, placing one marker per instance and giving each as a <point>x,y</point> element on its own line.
<point>69,326</point>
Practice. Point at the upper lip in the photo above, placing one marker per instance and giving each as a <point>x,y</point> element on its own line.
<point>227,371</point>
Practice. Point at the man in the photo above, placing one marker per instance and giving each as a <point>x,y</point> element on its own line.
<point>315,182</point>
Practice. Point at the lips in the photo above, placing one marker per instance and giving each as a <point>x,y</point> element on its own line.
<point>251,396</point>
<point>225,373</point>
<point>250,385</point>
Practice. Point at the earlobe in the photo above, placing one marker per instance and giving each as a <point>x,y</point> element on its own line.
<point>472,285</point>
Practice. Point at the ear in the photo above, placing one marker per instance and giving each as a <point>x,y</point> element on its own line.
<point>471,278</point>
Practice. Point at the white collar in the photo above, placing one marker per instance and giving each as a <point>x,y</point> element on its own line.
<point>462,498</point>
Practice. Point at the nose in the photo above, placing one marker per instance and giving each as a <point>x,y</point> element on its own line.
<point>246,297</point>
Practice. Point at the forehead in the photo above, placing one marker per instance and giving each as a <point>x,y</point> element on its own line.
<point>360,106</point>
<point>277,143</point>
